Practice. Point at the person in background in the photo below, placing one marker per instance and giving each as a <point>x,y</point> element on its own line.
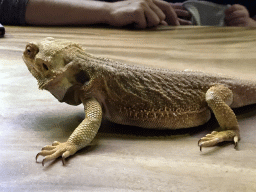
<point>138,13</point>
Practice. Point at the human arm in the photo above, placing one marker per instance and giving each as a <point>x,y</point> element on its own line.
<point>142,13</point>
<point>238,15</point>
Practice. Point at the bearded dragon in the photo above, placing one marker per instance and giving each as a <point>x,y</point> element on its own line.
<point>133,95</point>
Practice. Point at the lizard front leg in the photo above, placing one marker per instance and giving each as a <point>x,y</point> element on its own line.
<point>219,97</point>
<point>80,138</point>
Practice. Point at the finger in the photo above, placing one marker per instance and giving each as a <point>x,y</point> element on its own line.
<point>151,18</point>
<point>140,20</point>
<point>184,22</point>
<point>147,17</point>
<point>180,10</point>
<point>237,22</point>
<point>171,16</point>
<point>157,11</point>
<point>177,5</point>
<point>182,13</point>
<point>163,23</point>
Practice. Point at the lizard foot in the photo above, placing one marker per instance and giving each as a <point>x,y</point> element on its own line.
<point>217,137</point>
<point>57,149</point>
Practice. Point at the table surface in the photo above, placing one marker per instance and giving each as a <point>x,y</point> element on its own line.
<point>124,158</point>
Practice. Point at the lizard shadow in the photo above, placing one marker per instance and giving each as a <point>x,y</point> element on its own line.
<point>112,130</point>
<point>246,111</point>
<point>109,129</point>
<point>117,130</point>
<point>57,125</point>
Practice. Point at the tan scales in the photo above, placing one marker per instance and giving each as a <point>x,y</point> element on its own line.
<point>133,95</point>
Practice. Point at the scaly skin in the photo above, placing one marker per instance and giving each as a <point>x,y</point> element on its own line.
<point>133,95</point>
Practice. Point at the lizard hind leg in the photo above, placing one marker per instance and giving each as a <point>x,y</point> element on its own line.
<point>219,97</point>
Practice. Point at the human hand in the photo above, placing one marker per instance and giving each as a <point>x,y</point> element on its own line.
<point>238,15</point>
<point>184,16</point>
<point>142,13</point>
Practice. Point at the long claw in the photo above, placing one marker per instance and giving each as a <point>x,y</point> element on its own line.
<point>63,161</point>
<point>43,162</point>
<point>37,155</point>
<point>199,142</point>
<point>236,141</point>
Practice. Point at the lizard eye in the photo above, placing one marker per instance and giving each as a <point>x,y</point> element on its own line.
<point>45,67</point>
<point>31,50</point>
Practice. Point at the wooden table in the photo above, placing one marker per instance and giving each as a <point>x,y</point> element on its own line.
<point>122,160</point>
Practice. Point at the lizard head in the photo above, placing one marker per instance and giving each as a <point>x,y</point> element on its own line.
<point>50,62</point>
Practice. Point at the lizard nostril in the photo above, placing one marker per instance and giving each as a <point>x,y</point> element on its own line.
<point>45,67</point>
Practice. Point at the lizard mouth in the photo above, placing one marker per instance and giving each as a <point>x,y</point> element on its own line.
<point>42,82</point>
<point>31,68</point>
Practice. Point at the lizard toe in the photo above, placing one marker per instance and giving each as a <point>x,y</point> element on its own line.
<point>45,153</point>
<point>55,143</point>
<point>52,156</point>
<point>48,147</point>
<point>59,149</point>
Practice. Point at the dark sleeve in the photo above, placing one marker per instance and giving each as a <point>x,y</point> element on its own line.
<point>252,8</point>
<point>12,12</point>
